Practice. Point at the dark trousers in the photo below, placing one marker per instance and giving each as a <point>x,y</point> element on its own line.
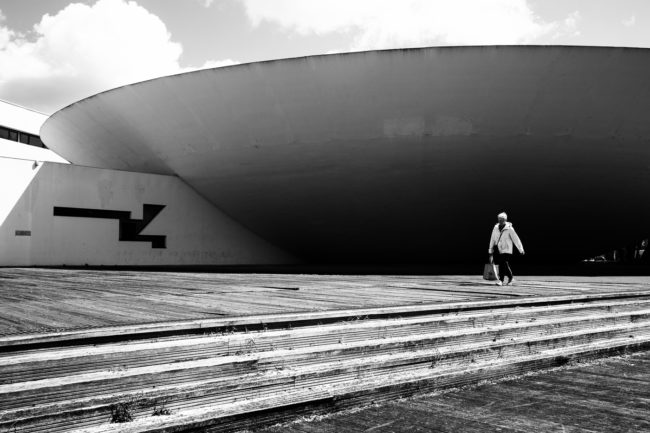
<point>504,266</point>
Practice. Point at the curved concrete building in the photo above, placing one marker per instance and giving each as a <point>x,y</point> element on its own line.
<point>400,156</point>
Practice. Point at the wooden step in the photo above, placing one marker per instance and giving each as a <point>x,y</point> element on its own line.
<point>34,365</point>
<point>100,335</point>
<point>224,380</point>
<point>381,335</point>
<point>327,398</point>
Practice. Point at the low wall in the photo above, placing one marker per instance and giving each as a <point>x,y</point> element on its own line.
<point>64,215</point>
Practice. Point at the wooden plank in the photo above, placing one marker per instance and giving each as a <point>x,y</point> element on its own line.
<point>36,300</point>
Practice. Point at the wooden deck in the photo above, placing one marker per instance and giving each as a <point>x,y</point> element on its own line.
<point>48,300</point>
<point>226,352</point>
<point>607,396</point>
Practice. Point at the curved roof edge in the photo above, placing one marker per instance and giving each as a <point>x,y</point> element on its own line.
<point>53,116</point>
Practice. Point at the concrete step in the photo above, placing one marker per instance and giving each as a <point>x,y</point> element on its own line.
<point>416,346</point>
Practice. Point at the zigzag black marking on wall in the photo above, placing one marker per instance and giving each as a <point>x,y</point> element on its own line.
<point>130,228</point>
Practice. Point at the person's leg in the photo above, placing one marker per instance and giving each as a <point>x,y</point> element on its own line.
<point>500,260</point>
<point>504,267</point>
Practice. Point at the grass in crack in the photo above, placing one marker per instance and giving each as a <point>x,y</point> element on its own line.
<point>122,412</point>
<point>161,410</point>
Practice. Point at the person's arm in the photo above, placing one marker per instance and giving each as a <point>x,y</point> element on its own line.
<point>491,248</point>
<point>517,241</point>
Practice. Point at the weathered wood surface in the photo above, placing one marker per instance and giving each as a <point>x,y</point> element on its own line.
<point>229,379</point>
<point>47,300</point>
<point>609,396</point>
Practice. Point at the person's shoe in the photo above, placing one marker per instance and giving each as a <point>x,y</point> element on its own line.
<point>499,283</point>
<point>510,282</point>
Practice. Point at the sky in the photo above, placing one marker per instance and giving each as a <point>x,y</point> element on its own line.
<point>55,52</point>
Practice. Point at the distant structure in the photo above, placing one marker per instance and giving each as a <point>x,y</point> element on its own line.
<point>398,156</point>
<point>19,126</point>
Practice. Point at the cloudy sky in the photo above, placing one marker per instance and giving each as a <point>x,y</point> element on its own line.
<point>55,52</point>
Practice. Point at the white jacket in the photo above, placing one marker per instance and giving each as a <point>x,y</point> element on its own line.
<point>508,237</point>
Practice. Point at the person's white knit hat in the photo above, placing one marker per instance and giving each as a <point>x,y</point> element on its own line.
<point>503,215</point>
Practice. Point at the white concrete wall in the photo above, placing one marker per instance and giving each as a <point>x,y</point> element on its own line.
<point>12,149</point>
<point>21,118</point>
<point>197,232</point>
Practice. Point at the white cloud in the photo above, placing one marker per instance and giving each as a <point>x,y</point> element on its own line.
<point>206,3</point>
<point>217,64</point>
<point>376,24</point>
<point>571,23</point>
<point>629,22</point>
<point>83,50</point>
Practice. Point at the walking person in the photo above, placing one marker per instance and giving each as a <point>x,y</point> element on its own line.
<point>501,242</point>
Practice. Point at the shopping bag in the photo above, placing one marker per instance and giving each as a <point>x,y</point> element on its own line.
<point>491,272</point>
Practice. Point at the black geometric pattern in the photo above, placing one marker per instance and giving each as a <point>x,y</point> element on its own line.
<point>130,228</point>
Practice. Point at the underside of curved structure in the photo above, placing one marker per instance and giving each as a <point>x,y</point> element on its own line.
<point>400,156</point>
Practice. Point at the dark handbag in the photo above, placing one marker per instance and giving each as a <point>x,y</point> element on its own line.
<point>491,272</point>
